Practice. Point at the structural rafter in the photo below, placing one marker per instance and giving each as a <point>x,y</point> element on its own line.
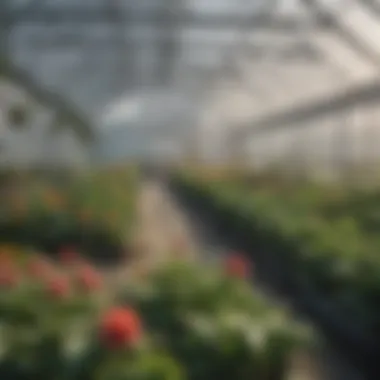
<point>345,100</point>
<point>346,51</point>
<point>335,52</point>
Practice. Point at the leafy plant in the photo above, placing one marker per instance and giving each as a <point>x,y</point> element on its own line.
<point>325,234</point>
<point>181,321</point>
<point>215,324</point>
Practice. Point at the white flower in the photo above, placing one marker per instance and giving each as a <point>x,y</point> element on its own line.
<point>76,340</point>
<point>256,336</point>
<point>203,326</point>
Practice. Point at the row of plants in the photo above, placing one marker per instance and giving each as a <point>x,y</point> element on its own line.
<point>325,237</point>
<point>178,321</point>
<point>92,211</point>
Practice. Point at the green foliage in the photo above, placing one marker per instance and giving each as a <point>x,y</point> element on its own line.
<point>217,326</point>
<point>198,323</point>
<point>93,212</point>
<point>329,236</point>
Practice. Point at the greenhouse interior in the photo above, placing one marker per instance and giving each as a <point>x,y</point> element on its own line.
<point>189,190</point>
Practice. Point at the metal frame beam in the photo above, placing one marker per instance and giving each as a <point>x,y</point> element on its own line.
<point>345,100</point>
<point>343,30</point>
<point>263,19</point>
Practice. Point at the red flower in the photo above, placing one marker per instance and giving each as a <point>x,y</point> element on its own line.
<point>68,255</point>
<point>237,266</point>
<point>120,327</point>
<point>89,279</point>
<point>58,287</point>
<point>39,268</point>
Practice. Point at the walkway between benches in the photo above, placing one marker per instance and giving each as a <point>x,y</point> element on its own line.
<point>165,228</point>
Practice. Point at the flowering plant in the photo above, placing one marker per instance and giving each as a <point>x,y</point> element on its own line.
<point>94,213</point>
<point>325,238</point>
<point>58,321</point>
<point>181,321</point>
<point>214,323</point>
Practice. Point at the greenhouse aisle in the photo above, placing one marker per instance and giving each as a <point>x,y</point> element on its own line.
<point>162,231</point>
<point>163,227</point>
<point>167,228</point>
